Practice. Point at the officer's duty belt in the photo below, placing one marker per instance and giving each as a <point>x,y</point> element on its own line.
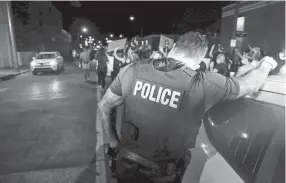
<point>125,154</point>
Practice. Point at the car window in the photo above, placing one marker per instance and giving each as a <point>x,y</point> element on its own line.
<point>242,131</point>
<point>46,56</point>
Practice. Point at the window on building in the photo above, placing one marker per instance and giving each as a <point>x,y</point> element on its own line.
<point>240,24</point>
<point>40,18</point>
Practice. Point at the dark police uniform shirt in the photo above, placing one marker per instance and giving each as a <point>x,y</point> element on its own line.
<point>217,87</point>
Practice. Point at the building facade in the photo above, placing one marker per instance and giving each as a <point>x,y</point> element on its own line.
<point>5,46</point>
<point>259,24</point>
<point>38,27</point>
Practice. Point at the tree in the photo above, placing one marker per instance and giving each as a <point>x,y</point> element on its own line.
<point>196,19</point>
<point>76,30</point>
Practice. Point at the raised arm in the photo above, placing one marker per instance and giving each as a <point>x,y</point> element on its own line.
<point>211,51</point>
<point>121,59</point>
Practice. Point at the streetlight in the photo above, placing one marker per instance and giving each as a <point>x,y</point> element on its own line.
<point>84,29</point>
<point>111,35</point>
<point>106,38</point>
<point>120,35</point>
<point>131,18</point>
<point>99,42</point>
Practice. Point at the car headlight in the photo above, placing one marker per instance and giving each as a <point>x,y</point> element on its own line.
<point>33,64</point>
<point>53,63</point>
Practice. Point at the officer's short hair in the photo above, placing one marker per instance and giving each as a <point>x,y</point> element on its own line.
<point>192,44</point>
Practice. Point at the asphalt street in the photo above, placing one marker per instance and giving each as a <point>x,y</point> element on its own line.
<point>47,128</point>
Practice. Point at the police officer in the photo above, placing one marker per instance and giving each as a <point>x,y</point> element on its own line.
<point>163,108</point>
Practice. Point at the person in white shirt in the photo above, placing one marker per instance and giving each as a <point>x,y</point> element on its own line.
<point>85,59</point>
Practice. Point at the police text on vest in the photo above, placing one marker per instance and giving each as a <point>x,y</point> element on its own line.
<point>157,94</point>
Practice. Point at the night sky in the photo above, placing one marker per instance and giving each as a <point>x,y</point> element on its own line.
<point>112,17</point>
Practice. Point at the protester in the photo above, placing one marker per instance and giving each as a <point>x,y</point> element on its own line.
<point>102,67</point>
<point>220,63</point>
<point>116,64</point>
<point>157,55</point>
<point>128,57</point>
<point>74,55</point>
<point>256,54</point>
<point>249,59</point>
<point>85,60</point>
<point>281,58</point>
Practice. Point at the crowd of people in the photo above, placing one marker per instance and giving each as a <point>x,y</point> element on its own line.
<point>217,59</point>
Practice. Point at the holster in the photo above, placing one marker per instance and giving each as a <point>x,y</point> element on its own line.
<point>126,163</point>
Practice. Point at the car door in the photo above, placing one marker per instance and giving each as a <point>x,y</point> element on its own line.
<point>244,132</point>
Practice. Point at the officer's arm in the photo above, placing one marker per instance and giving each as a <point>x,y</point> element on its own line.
<point>244,69</point>
<point>219,88</point>
<point>108,102</point>
<point>254,79</point>
<point>112,98</point>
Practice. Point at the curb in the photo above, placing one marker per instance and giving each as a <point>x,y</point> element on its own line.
<point>10,76</point>
<point>101,166</point>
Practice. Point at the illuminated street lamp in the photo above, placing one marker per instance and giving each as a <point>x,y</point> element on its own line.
<point>111,35</point>
<point>131,18</point>
<point>106,38</point>
<point>99,42</point>
<point>80,36</point>
<point>120,35</point>
<point>84,29</point>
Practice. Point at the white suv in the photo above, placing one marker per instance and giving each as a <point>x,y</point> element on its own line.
<point>47,62</point>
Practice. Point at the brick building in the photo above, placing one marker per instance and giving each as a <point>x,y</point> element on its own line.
<point>259,24</point>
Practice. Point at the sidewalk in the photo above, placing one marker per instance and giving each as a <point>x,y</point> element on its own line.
<point>9,73</point>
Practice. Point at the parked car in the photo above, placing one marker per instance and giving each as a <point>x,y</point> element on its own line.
<point>243,141</point>
<point>47,62</point>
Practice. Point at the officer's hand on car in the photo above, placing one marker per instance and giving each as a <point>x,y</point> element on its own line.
<point>270,62</point>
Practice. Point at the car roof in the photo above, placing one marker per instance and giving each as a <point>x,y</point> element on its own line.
<point>273,91</point>
<point>275,84</point>
<point>50,52</point>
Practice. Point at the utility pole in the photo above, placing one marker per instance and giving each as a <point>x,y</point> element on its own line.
<point>233,37</point>
<point>141,32</point>
<point>12,36</point>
